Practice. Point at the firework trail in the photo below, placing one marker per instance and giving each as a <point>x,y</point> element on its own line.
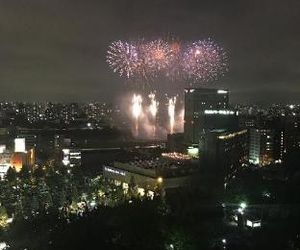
<point>153,108</point>
<point>171,113</point>
<point>136,110</point>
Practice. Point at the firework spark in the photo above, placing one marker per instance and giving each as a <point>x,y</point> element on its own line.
<point>199,61</point>
<point>174,71</point>
<point>157,55</point>
<point>136,110</point>
<point>123,58</point>
<point>204,61</point>
<point>153,107</point>
<point>171,113</point>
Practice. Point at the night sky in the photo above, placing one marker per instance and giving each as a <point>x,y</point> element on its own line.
<point>55,49</point>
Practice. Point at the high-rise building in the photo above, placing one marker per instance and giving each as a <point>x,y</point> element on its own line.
<point>292,133</point>
<point>207,109</point>
<point>213,127</point>
<point>224,152</point>
<point>261,146</point>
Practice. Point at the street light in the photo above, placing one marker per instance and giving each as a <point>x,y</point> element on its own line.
<point>240,210</point>
<point>160,180</point>
<point>243,205</point>
<point>224,243</point>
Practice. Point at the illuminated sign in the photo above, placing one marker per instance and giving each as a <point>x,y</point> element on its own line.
<point>114,171</point>
<point>71,157</point>
<point>253,224</point>
<point>66,157</point>
<point>2,148</point>
<point>218,112</point>
<point>232,135</point>
<point>193,152</point>
<point>256,224</point>
<point>66,161</point>
<point>176,156</point>
<point>66,151</point>
<point>3,170</point>
<point>189,90</point>
<point>20,145</point>
<point>221,91</point>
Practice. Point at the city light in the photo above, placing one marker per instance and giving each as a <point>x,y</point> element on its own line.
<point>160,180</point>
<point>176,156</point>
<point>120,129</point>
<point>193,152</point>
<point>20,145</point>
<point>253,224</point>
<point>2,148</point>
<point>3,246</point>
<point>240,210</point>
<point>232,135</point>
<point>218,112</point>
<point>243,205</point>
<point>221,91</point>
<point>114,171</point>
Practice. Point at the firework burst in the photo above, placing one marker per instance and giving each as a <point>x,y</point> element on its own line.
<point>157,55</point>
<point>174,71</point>
<point>123,58</point>
<point>199,61</point>
<point>204,61</point>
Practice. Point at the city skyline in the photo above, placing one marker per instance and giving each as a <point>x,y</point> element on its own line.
<point>149,124</point>
<point>56,50</point>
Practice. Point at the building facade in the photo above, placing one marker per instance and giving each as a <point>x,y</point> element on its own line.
<point>261,146</point>
<point>206,109</point>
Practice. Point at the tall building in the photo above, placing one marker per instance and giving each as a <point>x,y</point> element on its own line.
<point>292,133</point>
<point>261,147</point>
<point>207,109</point>
<point>224,152</point>
<point>213,127</point>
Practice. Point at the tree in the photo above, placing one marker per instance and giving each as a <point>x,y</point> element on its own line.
<point>179,240</point>
<point>3,217</point>
<point>11,175</point>
<point>39,172</point>
<point>25,172</point>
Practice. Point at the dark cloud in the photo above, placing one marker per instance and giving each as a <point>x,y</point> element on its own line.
<point>55,49</point>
